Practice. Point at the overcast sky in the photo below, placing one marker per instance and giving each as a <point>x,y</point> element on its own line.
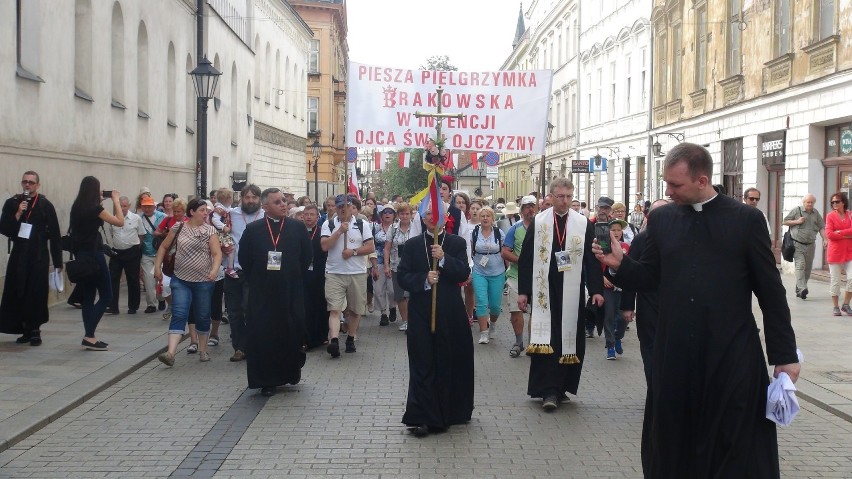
<point>477,35</point>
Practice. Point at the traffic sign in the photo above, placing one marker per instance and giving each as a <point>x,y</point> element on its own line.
<point>491,172</point>
<point>492,158</point>
<point>352,154</point>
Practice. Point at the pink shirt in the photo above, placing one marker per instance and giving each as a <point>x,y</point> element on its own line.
<point>839,248</point>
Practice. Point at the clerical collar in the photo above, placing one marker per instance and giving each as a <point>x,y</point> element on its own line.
<point>561,215</point>
<point>700,206</point>
<point>273,219</point>
<point>431,233</point>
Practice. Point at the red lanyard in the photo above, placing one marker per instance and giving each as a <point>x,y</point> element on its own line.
<point>314,232</point>
<point>32,207</point>
<point>560,238</point>
<point>274,239</point>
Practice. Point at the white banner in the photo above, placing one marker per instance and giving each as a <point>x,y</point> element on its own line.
<point>505,111</point>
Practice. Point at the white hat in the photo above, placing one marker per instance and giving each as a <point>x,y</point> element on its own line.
<point>528,200</point>
<point>499,206</point>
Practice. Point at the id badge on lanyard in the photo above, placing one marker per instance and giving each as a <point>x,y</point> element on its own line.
<point>563,261</point>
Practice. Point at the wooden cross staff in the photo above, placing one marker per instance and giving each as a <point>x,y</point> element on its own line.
<point>439,118</point>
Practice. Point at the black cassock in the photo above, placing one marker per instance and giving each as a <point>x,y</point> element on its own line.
<point>707,403</point>
<point>440,387</point>
<point>316,311</point>
<point>275,318</point>
<point>24,304</point>
<point>547,376</point>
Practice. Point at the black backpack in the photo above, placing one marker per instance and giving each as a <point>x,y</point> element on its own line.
<point>475,236</point>
<point>359,225</point>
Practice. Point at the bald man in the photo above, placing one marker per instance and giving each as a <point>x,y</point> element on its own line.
<point>805,222</point>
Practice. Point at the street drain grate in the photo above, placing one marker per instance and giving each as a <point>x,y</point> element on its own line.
<point>839,376</point>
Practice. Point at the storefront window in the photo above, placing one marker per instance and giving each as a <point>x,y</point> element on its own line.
<point>831,142</point>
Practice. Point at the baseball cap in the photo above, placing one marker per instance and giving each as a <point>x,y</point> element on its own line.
<point>528,200</point>
<point>603,201</point>
<point>341,200</point>
<point>148,201</point>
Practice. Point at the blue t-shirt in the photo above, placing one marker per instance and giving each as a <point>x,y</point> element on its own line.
<point>148,241</point>
<point>517,232</point>
<point>490,248</point>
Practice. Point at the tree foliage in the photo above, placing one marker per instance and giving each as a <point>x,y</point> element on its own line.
<point>404,181</point>
<point>438,62</point>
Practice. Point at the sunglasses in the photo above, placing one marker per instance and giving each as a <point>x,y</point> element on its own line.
<point>750,198</point>
<point>834,202</point>
<point>28,182</point>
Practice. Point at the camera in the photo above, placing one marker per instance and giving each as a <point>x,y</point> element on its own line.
<point>602,235</point>
<point>106,193</point>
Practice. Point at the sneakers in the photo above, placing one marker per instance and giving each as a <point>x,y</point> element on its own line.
<point>590,334</point>
<point>403,326</point>
<point>167,358</point>
<point>610,354</point>
<point>836,311</point>
<point>618,348</point>
<point>384,321</point>
<point>392,317</point>
<point>350,344</point>
<point>846,309</point>
<point>804,293</point>
<point>204,356</point>
<point>550,403</point>
<point>333,348</point>
<point>238,356</point>
<point>232,273</point>
<point>96,346</point>
<point>483,337</point>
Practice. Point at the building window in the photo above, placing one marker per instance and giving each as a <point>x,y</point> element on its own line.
<point>572,115</point>
<point>257,67</point>
<point>612,90</point>
<point>662,69</point>
<point>643,84</point>
<point>117,56</point>
<point>171,85</point>
<point>142,71</point>
<point>278,89</point>
<point>589,97</point>
<point>824,18</point>
<point>734,43</point>
<point>559,43</point>
<point>701,48</point>
<point>838,141</point>
<point>677,60</point>
<point>83,48</point>
<point>28,44</point>
<point>628,86</point>
<point>267,78</point>
<point>598,93</point>
<point>189,97</point>
<point>313,64</point>
<point>235,125</point>
<point>313,113</point>
<point>732,166</point>
<point>781,28</point>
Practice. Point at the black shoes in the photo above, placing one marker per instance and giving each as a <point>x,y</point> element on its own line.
<point>76,305</point>
<point>150,309</point>
<point>131,311</point>
<point>420,431</point>
<point>804,293</point>
<point>111,311</point>
<point>35,340</point>
<point>392,315</point>
<point>98,346</point>
<point>267,391</point>
<point>161,305</point>
<point>384,321</point>
<point>550,403</point>
<point>333,348</point>
<point>24,339</point>
<point>350,344</point>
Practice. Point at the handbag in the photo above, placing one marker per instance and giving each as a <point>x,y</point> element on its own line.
<point>82,269</point>
<point>168,267</point>
<point>788,248</point>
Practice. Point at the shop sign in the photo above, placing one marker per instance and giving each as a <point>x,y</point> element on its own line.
<point>773,147</point>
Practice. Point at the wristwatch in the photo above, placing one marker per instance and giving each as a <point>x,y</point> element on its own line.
<point>354,252</point>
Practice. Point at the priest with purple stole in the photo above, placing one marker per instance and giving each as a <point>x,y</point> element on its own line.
<point>555,268</point>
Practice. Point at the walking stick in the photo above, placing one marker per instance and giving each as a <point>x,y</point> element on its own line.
<point>434,286</point>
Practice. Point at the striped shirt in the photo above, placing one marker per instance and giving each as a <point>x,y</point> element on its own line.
<point>193,261</point>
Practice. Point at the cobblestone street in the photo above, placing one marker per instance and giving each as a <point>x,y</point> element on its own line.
<point>344,420</point>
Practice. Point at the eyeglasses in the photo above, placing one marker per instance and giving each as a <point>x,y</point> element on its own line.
<point>751,198</point>
<point>834,202</point>
<point>28,182</point>
<point>564,197</point>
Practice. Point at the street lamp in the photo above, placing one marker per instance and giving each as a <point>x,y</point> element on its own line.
<point>541,172</point>
<point>549,170</point>
<point>658,148</point>
<point>316,149</point>
<point>205,78</point>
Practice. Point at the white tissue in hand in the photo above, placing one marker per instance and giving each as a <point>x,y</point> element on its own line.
<point>781,403</point>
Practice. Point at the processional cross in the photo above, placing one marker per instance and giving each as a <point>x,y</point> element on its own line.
<point>436,170</point>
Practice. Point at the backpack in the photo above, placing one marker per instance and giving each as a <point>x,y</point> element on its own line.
<point>475,236</point>
<point>359,225</point>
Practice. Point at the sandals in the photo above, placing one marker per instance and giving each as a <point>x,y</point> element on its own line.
<point>213,341</point>
<point>192,349</point>
<point>516,350</point>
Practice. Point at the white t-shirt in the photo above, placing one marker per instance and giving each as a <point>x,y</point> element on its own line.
<point>354,239</point>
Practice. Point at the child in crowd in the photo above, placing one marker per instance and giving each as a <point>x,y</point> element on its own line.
<point>222,223</point>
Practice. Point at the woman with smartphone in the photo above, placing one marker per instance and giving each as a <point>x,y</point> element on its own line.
<point>87,217</point>
<point>614,325</point>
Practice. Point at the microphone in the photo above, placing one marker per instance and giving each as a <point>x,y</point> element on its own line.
<point>27,199</point>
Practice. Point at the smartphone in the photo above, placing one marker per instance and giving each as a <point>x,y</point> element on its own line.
<point>106,193</point>
<point>602,235</point>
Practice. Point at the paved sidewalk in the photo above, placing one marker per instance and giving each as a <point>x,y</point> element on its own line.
<point>40,384</point>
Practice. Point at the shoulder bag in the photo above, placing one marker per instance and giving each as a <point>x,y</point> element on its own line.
<point>82,268</point>
<point>169,260</point>
<point>788,246</point>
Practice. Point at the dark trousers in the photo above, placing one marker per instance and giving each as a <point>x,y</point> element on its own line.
<point>236,297</point>
<point>92,311</point>
<point>128,260</point>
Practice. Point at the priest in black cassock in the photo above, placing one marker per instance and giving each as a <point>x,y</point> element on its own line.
<point>440,389</point>
<point>275,254</point>
<point>316,311</point>
<point>29,221</point>
<point>707,254</point>
<point>555,268</point>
